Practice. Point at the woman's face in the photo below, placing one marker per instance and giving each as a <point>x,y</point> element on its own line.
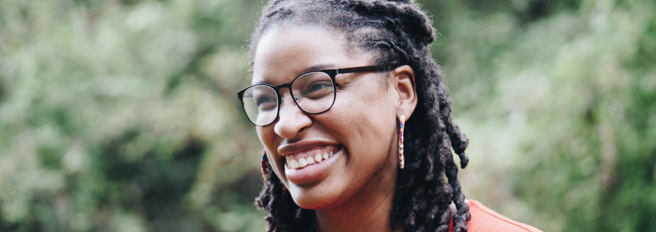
<point>359,130</point>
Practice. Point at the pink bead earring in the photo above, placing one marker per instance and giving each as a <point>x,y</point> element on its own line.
<point>265,168</point>
<point>401,127</point>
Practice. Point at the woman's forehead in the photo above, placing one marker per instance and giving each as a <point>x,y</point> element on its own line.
<point>285,52</point>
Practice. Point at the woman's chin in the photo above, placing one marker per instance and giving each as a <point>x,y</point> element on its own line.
<point>318,197</point>
<point>319,186</point>
<point>315,201</point>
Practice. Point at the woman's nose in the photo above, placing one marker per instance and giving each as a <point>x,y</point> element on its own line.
<point>291,119</point>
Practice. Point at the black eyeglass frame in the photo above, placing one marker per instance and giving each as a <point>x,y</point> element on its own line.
<point>332,73</point>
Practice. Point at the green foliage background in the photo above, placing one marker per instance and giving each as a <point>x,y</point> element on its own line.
<point>121,115</point>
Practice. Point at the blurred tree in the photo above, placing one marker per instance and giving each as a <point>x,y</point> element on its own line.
<point>122,115</point>
<point>559,101</point>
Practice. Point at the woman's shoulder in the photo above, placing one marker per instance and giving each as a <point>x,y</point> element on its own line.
<point>484,219</point>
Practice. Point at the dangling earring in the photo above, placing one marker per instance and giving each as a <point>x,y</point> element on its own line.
<point>264,166</point>
<point>401,127</point>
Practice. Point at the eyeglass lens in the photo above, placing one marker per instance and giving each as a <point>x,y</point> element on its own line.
<point>313,92</point>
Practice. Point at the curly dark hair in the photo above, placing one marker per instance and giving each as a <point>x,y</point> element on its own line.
<point>399,33</point>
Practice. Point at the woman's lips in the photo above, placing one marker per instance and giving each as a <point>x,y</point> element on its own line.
<point>300,169</point>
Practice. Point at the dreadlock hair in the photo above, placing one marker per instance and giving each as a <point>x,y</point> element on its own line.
<point>398,33</point>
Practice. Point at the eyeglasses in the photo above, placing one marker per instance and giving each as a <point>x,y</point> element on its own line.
<point>313,92</point>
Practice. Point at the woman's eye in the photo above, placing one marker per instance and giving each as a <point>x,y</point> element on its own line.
<point>317,86</point>
<point>318,89</point>
<point>265,103</point>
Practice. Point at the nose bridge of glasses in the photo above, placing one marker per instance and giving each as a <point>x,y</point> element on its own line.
<point>280,89</point>
<point>286,86</point>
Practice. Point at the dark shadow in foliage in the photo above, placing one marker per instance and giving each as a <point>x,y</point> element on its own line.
<point>6,226</point>
<point>153,185</point>
<point>539,9</point>
<point>528,12</point>
<point>2,91</point>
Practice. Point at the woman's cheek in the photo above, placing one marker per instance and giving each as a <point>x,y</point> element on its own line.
<point>267,138</point>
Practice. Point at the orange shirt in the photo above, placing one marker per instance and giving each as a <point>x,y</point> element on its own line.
<point>486,220</point>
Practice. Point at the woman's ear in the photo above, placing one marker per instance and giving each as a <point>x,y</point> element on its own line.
<point>404,77</point>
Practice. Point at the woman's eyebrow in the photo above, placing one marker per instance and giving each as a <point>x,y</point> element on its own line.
<point>318,67</point>
<point>308,69</point>
<point>262,82</point>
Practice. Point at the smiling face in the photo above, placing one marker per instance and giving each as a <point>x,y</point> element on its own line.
<point>359,130</point>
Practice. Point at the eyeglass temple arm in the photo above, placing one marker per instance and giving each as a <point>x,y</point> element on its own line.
<point>363,69</point>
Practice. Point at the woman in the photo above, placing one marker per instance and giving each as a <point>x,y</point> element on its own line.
<point>355,119</point>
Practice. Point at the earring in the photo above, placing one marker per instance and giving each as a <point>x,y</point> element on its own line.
<point>265,168</point>
<point>401,127</point>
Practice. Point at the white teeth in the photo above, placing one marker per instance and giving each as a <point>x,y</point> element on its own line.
<point>302,163</point>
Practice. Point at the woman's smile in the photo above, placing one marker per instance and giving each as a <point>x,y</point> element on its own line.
<point>311,165</point>
<point>309,157</point>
